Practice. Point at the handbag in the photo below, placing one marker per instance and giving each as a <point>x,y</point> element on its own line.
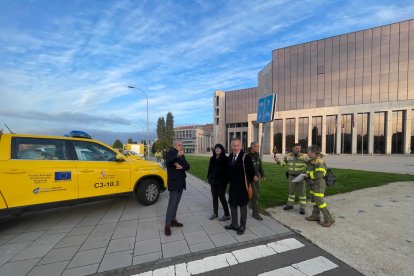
<point>249,187</point>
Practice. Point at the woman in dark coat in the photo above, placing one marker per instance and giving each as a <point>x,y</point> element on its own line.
<point>218,177</point>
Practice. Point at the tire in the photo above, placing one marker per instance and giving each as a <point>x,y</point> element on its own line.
<point>148,192</point>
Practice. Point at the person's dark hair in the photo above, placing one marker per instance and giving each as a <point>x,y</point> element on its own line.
<point>297,144</point>
<point>220,146</point>
<point>314,148</point>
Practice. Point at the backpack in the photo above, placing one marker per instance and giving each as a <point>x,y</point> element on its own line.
<point>330,178</point>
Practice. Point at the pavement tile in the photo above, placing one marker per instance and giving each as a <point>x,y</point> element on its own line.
<point>14,248</point>
<point>222,239</point>
<point>71,241</point>
<point>27,236</point>
<point>148,212</point>
<point>121,245</point>
<point>60,254</point>
<point>174,249</point>
<point>84,230</point>
<point>197,237</point>
<point>176,235</point>
<point>102,230</point>
<point>262,231</point>
<point>192,227</point>
<point>19,268</point>
<point>96,242</point>
<point>116,260</point>
<point>32,252</point>
<point>145,234</point>
<point>245,237</point>
<point>87,257</point>
<point>147,246</point>
<point>48,269</point>
<point>49,239</point>
<point>81,271</point>
<point>142,259</point>
<point>202,246</point>
<point>125,229</point>
<point>214,228</point>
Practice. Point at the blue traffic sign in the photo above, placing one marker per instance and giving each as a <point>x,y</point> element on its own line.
<point>266,108</point>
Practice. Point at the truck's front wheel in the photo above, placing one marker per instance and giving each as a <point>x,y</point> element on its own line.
<point>148,192</point>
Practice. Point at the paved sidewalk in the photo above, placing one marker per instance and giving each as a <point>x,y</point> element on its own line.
<point>101,236</point>
<point>374,229</point>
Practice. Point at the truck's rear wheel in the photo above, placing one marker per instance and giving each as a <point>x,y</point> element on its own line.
<point>148,192</point>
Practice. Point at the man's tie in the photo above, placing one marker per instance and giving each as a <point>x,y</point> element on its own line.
<point>234,160</point>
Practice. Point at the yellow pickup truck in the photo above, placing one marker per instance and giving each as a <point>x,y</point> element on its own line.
<point>39,172</point>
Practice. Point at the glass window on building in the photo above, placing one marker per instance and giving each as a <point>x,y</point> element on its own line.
<point>379,132</point>
<point>331,122</point>
<point>397,145</point>
<point>290,134</point>
<point>317,131</point>
<point>244,141</point>
<point>346,138</point>
<point>277,135</point>
<point>303,133</point>
<point>362,132</point>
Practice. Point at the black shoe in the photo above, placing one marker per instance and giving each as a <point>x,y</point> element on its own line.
<point>257,216</point>
<point>231,227</point>
<point>224,218</point>
<point>287,207</point>
<point>302,211</point>
<point>167,230</point>
<point>175,223</point>
<point>241,230</point>
<point>214,216</point>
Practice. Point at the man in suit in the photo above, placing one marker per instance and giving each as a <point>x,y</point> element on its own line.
<point>176,167</point>
<point>238,196</point>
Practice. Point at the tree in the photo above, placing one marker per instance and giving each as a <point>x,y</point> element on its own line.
<point>130,141</point>
<point>117,144</point>
<point>161,133</point>
<point>154,147</point>
<point>169,130</point>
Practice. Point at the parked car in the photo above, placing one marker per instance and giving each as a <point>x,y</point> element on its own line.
<point>45,171</point>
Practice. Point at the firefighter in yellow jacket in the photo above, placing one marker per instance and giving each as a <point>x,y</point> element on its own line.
<point>315,178</point>
<point>296,165</point>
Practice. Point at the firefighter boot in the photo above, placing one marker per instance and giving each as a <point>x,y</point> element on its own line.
<point>315,214</point>
<point>328,218</point>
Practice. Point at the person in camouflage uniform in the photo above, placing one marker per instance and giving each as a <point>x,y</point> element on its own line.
<point>315,173</point>
<point>296,165</point>
<point>254,153</point>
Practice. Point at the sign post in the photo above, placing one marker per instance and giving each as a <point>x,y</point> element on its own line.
<point>265,114</point>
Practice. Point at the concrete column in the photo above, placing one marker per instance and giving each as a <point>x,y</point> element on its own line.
<point>283,149</point>
<point>310,131</point>
<point>370,128</point>
<point>354,133</point>
<point>296,129</point>
<point>407,134</point>
<point>388,129</point>
<point>338,134</point>
<point>324,133</point>
<point>260,133</point>
<point>271,140</point>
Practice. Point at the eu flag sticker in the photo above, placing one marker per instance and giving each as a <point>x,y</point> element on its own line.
<point>63,176</point>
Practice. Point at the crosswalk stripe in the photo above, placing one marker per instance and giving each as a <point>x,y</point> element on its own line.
<point>306,268</point>
<point>227,259</point>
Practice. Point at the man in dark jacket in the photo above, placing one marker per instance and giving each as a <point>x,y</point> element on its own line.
<point>176,167</point>
<point>238,196</point>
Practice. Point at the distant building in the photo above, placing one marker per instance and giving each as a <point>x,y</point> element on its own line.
<point>350,94</point>
<point>196,139</point>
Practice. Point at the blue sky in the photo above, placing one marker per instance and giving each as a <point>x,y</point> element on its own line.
<point>67,64</point>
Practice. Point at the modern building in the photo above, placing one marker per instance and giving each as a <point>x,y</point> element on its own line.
<point>349,94</point>
<point>196,139</point>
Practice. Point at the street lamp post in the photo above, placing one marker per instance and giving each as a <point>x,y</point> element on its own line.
<point>145,94</point>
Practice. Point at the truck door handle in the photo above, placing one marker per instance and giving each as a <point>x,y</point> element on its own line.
<point>86,171</point>
<point>15,172</point>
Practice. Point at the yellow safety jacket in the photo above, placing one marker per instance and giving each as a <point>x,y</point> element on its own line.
<point>316,169</point>
<point>295,164</point>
